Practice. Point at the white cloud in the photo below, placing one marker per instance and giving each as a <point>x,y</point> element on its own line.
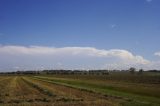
<point>113,25</point>
<point>149,0</point>
<point>33,57</point>
<point>157,54</point>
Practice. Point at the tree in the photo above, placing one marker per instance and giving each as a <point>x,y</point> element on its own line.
<point>132,70</point>
<point>140,71</point>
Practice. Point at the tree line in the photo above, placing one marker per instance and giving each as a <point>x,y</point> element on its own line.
<point>131,70</point>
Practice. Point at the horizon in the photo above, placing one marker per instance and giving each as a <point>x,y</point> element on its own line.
<point>81,34</point>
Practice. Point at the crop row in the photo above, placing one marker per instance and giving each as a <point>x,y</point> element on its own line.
<point>100,88</point>
<point>41,89</point>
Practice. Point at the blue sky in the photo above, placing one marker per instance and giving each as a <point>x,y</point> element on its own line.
<point>131,25</point>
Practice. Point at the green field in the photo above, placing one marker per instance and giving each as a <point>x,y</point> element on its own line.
<point>116,89</point>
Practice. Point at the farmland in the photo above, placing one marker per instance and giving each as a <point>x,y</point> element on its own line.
<point>116,89</point>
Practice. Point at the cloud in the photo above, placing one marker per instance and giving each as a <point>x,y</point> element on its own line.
<point>157,54</point>
<point>72,51</point>
<point>113,25</point>
<point>149,0</point>
<point>35,57</point>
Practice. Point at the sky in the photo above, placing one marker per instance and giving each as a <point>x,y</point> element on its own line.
<point>79,34</point>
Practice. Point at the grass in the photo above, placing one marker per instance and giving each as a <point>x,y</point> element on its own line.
<point>136,97</point>
<point>116,89</point>
<point>45,91</point>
